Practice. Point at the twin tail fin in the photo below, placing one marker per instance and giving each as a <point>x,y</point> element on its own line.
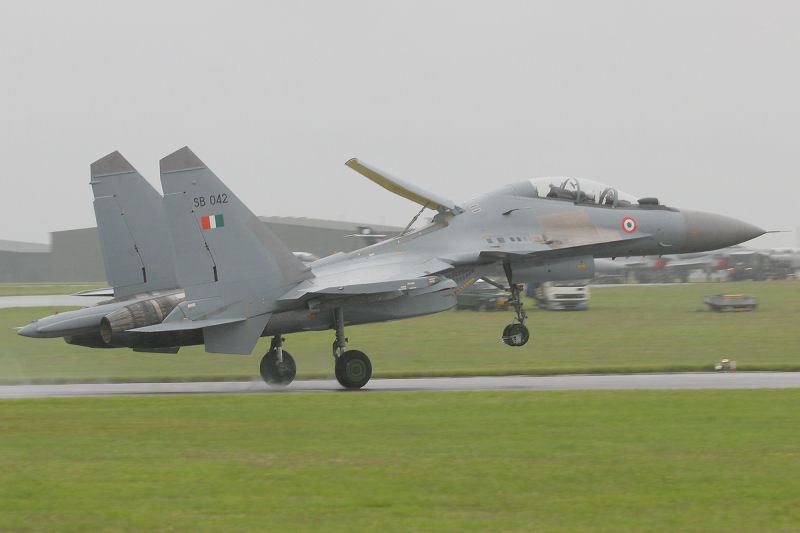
<point>134,239</point>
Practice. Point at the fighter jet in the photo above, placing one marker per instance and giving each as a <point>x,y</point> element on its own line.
<point>196,266</point>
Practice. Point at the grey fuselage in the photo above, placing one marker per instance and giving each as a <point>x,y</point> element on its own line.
<point>540,238</point>
<point>504,222</point>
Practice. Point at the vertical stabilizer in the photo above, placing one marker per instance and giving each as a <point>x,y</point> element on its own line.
<point>225,255</point>
<point>134,236</point>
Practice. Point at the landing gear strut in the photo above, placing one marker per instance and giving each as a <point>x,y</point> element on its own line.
<point>353,368</point>
<point>277,365</point>
<point>516,333</point>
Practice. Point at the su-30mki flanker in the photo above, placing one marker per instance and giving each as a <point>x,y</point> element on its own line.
<point>196,266</point>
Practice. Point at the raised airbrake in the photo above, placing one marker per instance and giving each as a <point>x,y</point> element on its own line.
<point>196,266</point>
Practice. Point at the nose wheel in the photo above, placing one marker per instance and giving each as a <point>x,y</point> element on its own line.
<point>516,333</point>
<point>277,366</point>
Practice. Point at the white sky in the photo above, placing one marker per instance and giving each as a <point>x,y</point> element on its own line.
<point>697,103</point>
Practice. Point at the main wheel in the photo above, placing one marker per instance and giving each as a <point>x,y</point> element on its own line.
<point>275,373</point>
<point>353,369</point>
<point>516,334</point>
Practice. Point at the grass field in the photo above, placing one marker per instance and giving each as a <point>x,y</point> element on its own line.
<point>658,328</point>
<point>30,289</point>
<point>482,461</point>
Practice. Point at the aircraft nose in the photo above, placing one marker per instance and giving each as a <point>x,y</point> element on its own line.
<point>707,231</point>
<point>29,331</point>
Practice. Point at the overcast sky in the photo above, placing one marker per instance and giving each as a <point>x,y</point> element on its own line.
<point>697,103</point>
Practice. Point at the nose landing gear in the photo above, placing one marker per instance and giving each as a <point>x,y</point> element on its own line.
<point>516,333</point>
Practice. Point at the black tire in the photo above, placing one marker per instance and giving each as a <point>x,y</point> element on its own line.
<point>278,374</point>
<point>353,369</point>
<point>516,335</point>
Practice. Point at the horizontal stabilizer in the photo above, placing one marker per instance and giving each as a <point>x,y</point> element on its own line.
<point>96,292</point>
<point>401,188</point>
<point>239,337</point>
<point>185,324</point>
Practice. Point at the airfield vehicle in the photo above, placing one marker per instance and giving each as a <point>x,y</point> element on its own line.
<point>731,302</point>
<point>756,265</point>
<point>735,263</point>
<point>196,266</point>
<point>481,296</point>
<point>563,295</point>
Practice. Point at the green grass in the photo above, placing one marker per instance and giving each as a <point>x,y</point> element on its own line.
<point>660,328</point>
<point>481,461</point>
<point>30,289</point>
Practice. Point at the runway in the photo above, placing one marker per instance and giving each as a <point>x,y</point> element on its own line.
<point>735,380</point>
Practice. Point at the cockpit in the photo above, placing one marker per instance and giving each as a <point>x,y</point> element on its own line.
<point>579,191</point>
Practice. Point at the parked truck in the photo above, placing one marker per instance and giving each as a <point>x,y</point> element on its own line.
<point>563,295</point>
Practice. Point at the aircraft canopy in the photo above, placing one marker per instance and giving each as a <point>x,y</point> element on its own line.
<point>578,190</point>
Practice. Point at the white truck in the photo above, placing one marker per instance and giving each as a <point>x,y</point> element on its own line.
<point>563,295</point>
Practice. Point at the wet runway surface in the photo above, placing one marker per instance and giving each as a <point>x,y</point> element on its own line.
<point>735,380</point>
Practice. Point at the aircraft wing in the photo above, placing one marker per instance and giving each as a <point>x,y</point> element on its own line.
<point>612,248</point>
<point>401,188</point>
<point>369,277</point>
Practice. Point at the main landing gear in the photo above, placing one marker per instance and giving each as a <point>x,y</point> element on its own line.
<point>353,368</point>
<point>516,333</point>
<point>277,365</point>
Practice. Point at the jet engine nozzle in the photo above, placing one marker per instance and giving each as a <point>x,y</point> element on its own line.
<point>707,231</point>
<point>137,315</point>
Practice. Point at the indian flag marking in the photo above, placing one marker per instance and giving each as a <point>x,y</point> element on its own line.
<point>214,221</point>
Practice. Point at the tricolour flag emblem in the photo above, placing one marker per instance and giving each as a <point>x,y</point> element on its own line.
<point>214,221</point>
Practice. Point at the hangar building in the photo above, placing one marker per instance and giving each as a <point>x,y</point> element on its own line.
<point>74,255</point>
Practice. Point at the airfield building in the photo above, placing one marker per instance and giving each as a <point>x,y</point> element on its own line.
<point>74,255</point>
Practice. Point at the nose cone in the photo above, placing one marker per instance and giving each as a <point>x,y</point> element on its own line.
<point>706,231</point>
<point>29,331</point>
